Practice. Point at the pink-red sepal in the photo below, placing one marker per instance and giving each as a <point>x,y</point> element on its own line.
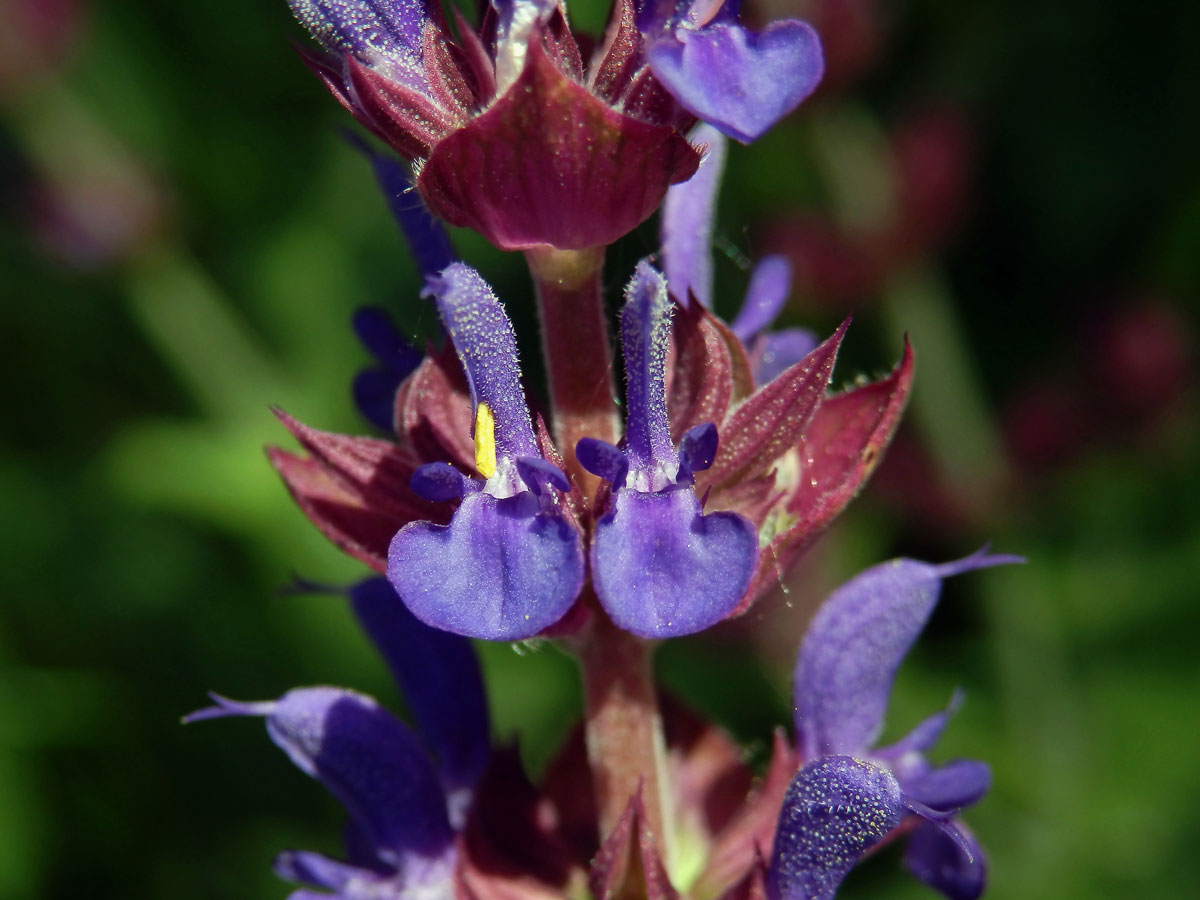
<point>551,164</point>
<point>700,386</point>
<point>753,885</point>
<point>840,449</point>
<point>338,513</point>
<point>354,489</point>
<point>772,420</point>
<point>751,835</point>
<point>505,851</point>
<point>407,119</point>
<point>434,414</point>
<point>630,851</point>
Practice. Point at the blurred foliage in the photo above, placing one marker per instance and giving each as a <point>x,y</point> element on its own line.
<point>184,238</point>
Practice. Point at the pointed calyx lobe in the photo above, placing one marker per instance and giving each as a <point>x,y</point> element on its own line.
<point>661,567</point>
<point>792,456</point>
<point>510,562</point>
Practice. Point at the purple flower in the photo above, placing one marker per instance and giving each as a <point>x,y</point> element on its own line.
<point>850,795</point>
<point>661,567</point>
<point>739,81</point>
<point>687,235</point>
<point>375,387</point>
<point>510,561</point>
<point>405,806</point>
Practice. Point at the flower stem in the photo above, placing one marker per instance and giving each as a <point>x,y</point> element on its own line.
<point>626,749</point>
<point>577,350</point>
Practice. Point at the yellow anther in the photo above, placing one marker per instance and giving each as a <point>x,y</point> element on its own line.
<point>485,441</point>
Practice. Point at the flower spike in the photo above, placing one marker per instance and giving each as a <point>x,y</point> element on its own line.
<point>660,566</point>
<point>510,563</point>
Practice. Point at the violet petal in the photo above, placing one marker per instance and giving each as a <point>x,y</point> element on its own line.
<point>603,459</point>
<point>770,285</point>
<point>835,809</point>
<point>503,569</point>
<point>952,786</point>
<point>662,569</point>
<point>645,332</point>
<point>439,677</point>
<point>854,646</point>
<point>484,340</point>
<point>366,758</point>
<point>688,214</point>
<point>776,352</point>
<point>305,867</point>
<point>438,482</point>
<point>426,236</point>
<point>940,861</point>
<point>925,735</point>
<point>361,27</point>
<point>737,80</point>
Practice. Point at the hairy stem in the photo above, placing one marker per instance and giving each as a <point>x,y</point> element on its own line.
<point>577,350</point>
<point>626,749</point>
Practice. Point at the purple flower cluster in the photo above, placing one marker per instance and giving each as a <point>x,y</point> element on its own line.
<point>492,517</point>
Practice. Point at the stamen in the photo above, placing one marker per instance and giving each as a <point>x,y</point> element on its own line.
<point>485,441</point>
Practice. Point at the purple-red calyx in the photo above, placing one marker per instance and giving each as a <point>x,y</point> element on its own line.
<point>515,134</point>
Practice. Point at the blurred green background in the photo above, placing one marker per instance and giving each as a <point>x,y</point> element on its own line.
<point>184,237</point>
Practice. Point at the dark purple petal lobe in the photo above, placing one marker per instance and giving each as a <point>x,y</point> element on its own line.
<point>941,861</point>
<point>952,786</point>
<point>834,810</point>
<point>740,82</point>
<point>503,569</point>
<point>426,237</point>
<point>438,674</point>
<point>316,869</point>
<point>687,222</point>
<point>775,352</point>
<point>854,646</point>
<point>661,569</point>
<point>367,759</point>
<point>770,284</point>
